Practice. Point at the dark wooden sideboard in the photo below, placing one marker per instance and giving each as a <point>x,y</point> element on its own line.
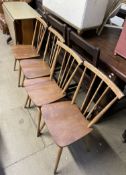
<point>107,43</point>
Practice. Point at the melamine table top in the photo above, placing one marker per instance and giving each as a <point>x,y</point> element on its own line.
<point>20,10</point>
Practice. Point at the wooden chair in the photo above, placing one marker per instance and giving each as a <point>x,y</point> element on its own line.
<point>70,121</point>
<point>31,51</point>
<point>35,68</point>
<point>48,89</point>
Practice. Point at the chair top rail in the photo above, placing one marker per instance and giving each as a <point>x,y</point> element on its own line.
<point>42,21</point>
<point>59,36</point>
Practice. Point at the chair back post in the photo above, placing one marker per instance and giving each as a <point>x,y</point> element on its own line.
<point>39,33</point>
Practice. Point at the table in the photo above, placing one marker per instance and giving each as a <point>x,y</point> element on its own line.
<point>20,19</point>
<point>107,43</point>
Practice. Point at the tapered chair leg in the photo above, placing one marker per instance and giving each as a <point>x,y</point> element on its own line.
<point>19,77</point>
<point>27,99</point>
<point>42,126</point>
<point>39,122</point>
<point>15,64</point>
<point>29,103</point>
<point>22,84</point>
<point>58,159</point>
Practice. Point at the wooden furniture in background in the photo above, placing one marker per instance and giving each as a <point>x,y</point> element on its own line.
<point>20,20</point>
<point>108,62</point>
<point>121,44</point>
<point>87,51</point>
<point>68,121</point>
<point>57,24</point>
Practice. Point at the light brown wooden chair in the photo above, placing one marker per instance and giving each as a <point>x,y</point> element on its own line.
<point>70,121</point>
<point>48,89</point>
<point>35,68</point>
<point>31,51</point>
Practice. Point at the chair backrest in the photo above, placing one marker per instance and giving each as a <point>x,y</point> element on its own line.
<point>98,97</point>
<point>86,50</point>
<point>50,48</point>
<point>39,33</point>
<point>69,64</point>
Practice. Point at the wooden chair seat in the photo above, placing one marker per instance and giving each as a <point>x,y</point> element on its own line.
<point>24,52</point>
<point>32,61</point>
<point>65,122</point>
<point>34,68</point>
<point>44,92</point>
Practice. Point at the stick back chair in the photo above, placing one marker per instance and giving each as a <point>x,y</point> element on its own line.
<point>31,51</point>
<point>70,121</point>
<point>62,73</point>
<point>35,68</point>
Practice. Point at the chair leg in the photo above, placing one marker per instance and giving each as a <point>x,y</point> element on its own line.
<point>58,159</point>
<point>19,76</point>
<point>15,64</point>
<point>39,122</point>
<point>23,80</point>
<point>41,128</point>
<point>27,99</point>
<point>29,103</point>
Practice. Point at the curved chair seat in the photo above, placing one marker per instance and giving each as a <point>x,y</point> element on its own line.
<point>29,82</point>
<point>65,122</point>
<point>44,92</point>
<point>34,68</point>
